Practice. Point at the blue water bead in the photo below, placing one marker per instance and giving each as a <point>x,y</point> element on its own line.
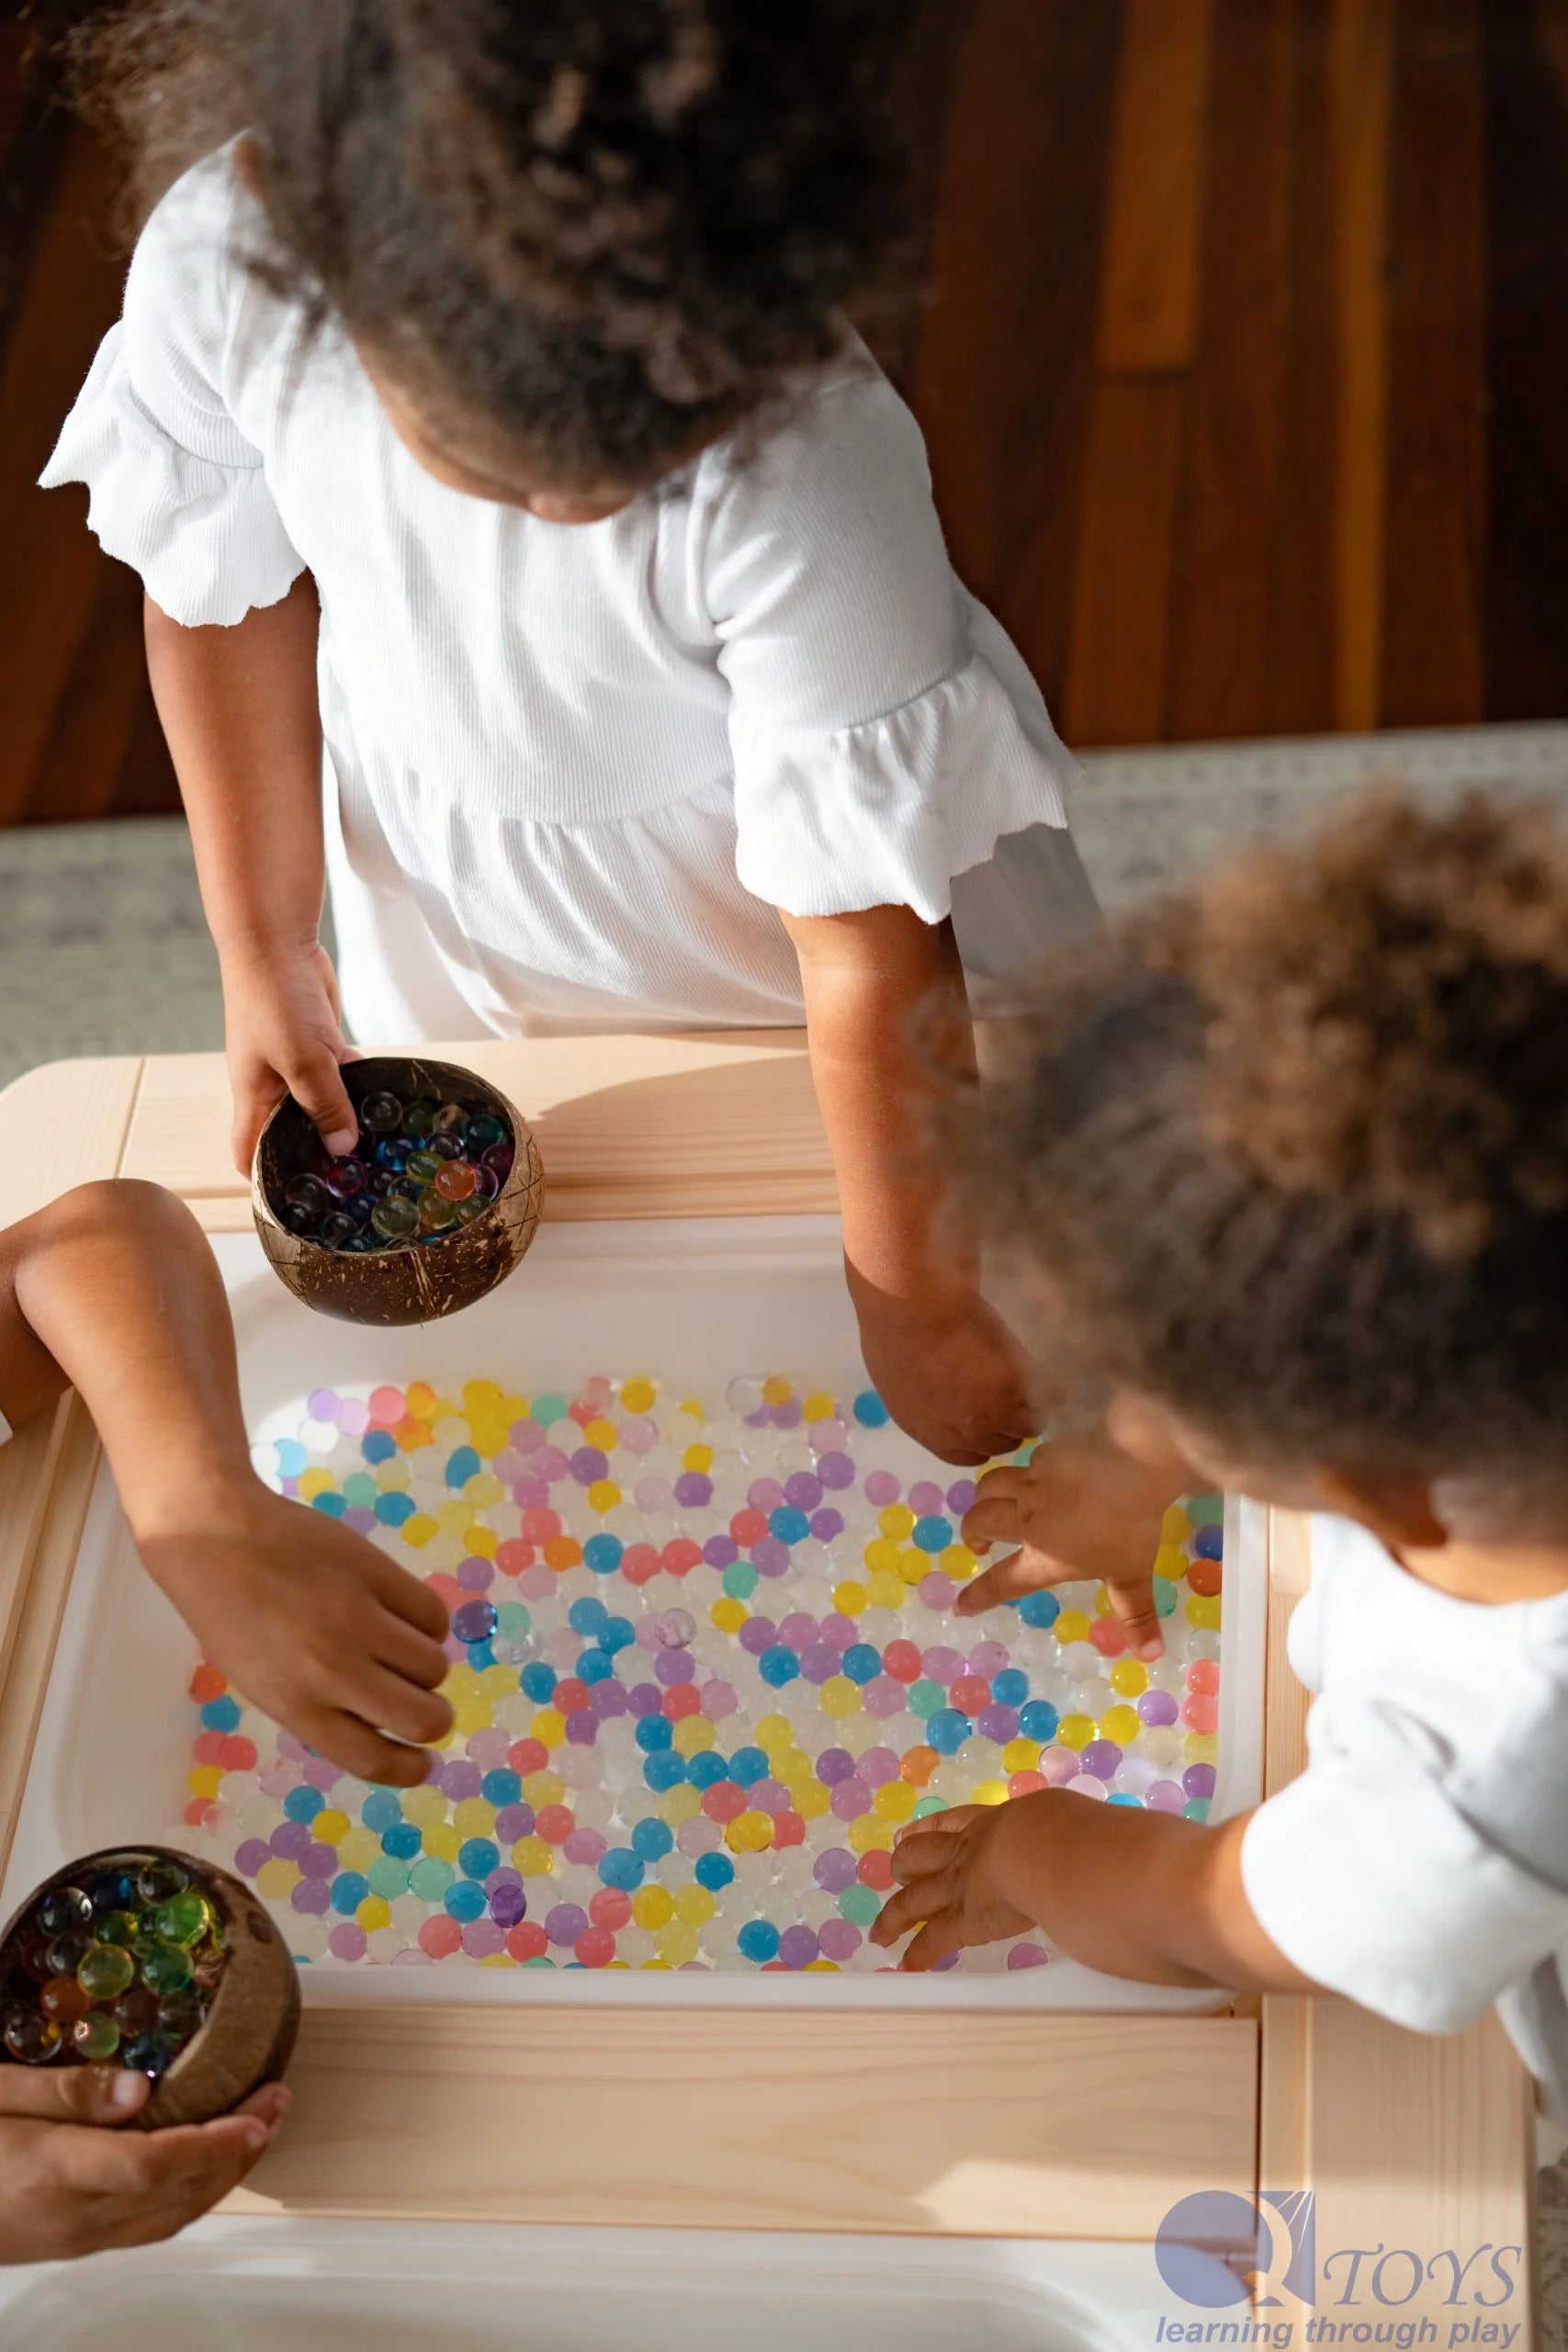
<point>221,1715</point>
<point>622,1868</point>
<point>707,1769</point>
<point>1124,1796</point>
<point>480,1655</point>
<point>778,1666</point>
<point>595,1665</point>
<point>654,1734</point>
<point>617,1634</point>
<point>391,1510</point>
<point>715,1872</point>
<point>1039,1609</point>
<point>477,1857</point>
<point>349,1891</point>
<point>602,1554</point>
<point>380,1810</point>
<point>1038,1720</point>
<point>474,1621</point>
<point>757,1941</point>
<point>501,1788</point>
<point>652,1840</point>
<point>330,1504</point>
<point>749,1765</point>
<point>588,1617</point>
<point>377,1445</point>
<point>869,1410</point>
<point>931,1534</point>
<point>467,1900</point>
<point>303,1803</point>
<point>663,1773</point>
<point>862,1662</point>
<point>947,1730</point>
<point>1196,1808</point>
<point>537,1681</point>
<point>292,1457</point>
<point>1010,1687</point>
<point>1209,1543</point>
<point>401,1840</point>
<point>462,1464</point>
<point>787,1525</point>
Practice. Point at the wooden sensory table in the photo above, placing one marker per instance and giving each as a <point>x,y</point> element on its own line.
<point>1003,2125</point>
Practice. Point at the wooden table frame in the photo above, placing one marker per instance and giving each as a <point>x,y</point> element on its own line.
<point>1044,2125</point>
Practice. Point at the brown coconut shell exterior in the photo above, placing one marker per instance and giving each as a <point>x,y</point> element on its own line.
<point>254,2016</point>
<point>416,1285</point>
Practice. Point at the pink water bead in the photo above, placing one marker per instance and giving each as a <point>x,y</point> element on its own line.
<point>881,1488</point>
<point>989,1659</point>
<point>925,1500</point>
<point>348,1942</point>
<point>1058,1766</point>
<point>883,1698</point>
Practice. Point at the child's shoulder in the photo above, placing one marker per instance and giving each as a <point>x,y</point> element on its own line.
<point>841,427</point>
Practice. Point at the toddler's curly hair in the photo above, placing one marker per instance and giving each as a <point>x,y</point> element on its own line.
<point>1292,1150</point>
<point>608,229</point>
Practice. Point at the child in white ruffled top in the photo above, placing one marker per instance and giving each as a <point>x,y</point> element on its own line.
<point>484,428</point>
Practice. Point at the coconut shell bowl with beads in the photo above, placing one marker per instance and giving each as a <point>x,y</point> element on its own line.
<point>142,1957</point>
<point>437,1203</point>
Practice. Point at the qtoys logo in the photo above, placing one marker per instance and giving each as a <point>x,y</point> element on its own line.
<point>1217,2251</point>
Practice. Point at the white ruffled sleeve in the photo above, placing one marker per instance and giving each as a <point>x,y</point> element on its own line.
<point>884,732</point>
<point>176,489</point>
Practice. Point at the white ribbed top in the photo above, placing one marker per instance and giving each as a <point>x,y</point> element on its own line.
<point>571,772</point>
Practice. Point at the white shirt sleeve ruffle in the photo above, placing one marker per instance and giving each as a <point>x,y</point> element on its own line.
<point>176,489</point>
<point>884,732</point>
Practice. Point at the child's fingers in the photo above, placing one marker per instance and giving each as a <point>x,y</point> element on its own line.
<point>1132,1604</point>
<point>939,1936</point>
<point>315,1081</point>
<point>411,1655</point>
<point>402,1709</point>
<point>102,2095</point>
<point>349,1741</point>
<point>1023,1571</point>
<point>903,1910</point>
<point>916,1859</point>
<point>411,1601</point>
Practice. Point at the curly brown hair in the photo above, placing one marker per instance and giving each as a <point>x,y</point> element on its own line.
<point>1292,1150</point>
<point>608,229</point>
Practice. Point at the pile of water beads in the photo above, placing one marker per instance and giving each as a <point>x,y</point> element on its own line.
<point>419,1170</point>
<point>119,1970</point>
<point>704,1665</point>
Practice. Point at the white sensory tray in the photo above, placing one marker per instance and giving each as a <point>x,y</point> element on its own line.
<point>691,1303</point>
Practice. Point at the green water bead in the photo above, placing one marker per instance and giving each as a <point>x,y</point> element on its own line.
<point>157,1881</point>
<point>928,1805</point>
<point>95,2037</point>
<point>1165,1596</point>
<point>118,1928</point>
<point>740,1580</point>
<point>484,1131</point>
<point>167,1969</point>
<point>424,1167</point>
<point>180,2015</point>
<point>395,1218</point>
<point>419,1119</point>
<point>388,1877</point>
<point>183,1919</point>
<point>1205,1511</point>
<point>513,1622</point>
<point>860,1904</point>
<point>926,1698</point>
<point>437,1214</point>
<point>107,1971</point>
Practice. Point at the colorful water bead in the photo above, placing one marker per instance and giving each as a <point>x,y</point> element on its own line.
<point>69,1987</point>
<point>417,1171</point>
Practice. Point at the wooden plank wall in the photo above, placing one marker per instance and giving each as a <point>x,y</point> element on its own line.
<point>1243,371</point>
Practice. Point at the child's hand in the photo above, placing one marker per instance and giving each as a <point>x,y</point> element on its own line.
<point>1080,1508</point>
<point>952,1378</point>
<point>947,1879</point>
<point>71,2183</point>
<point>283,1033</point>
<point>315,1627</point>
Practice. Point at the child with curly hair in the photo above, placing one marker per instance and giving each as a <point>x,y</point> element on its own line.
<point>1287,1164</point>
<point>484,423</point>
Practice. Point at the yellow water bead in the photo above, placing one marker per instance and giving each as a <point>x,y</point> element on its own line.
<point>511,1409</point>
<point>359,1849</point>
<point>820,1968</point>
<point>1129,1677</point>
<point>313,1482</point>
<point>729,1614</point>
<point>497,1960</point>
<point>881,1555</point>
<point>204,1780</point>
<point>533,1858</point>
<point>1071,1625</point>
<point>548,1726</point>
<point>498,1683</point>
<point>990,1792</point>
<point>811,1800</point>
<point>692,1735</point>
<point>850,1598</point>
<point>482,1489</point>
<point>1199,1747</point>
<point>773,1734</point>
<point>694,1408</point>
<point>677,1944</point>
<point>481,1395</point>
<point>678,1806</point>
<point>750,1832</point>
<point>488,1437</point>
<point>1076,1731</point>
<point>473,1817</point>
<point>1021,1756</point>
<point>460,1681</point>
<point>330,1826</point>
<point>472,1715</point>
<point>423,1805</point>
<point>838,1698</point>
<point>694,1905</point>
<point>442,1840</point>
<point>914,1566</point>
<point>896,1801</point>
<point>1203,1609</point>
<point>869,1835</point>
<point>1170,1561</point>
<point>777,1390</point>
<point>1101,1602</point>
<point>958,1562</point>
<point>372,1913</point>
<point>1121,1724</point>
<point>1175,1527</point>
<point>392,1478</point>
<point>421,1400</point>
<point>639,1396</point>
<point>886,1590</point>
<point>895,1520</point>
<point>819,1406</point>
<point>698,1458</point>
<point>791,1767</point>
<point>541,1789</point>
<point>454,1516</point>
<point>602,1496</point>
<point>653,1906</point>
<point>277,1878</point>
<point>417,1532</point>
<point>482,1539</point>
<point>602,1433</point>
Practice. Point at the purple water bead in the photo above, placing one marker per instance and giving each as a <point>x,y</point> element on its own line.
<point>581,1727</point>
<point>321,1773</point>
<point>769,1557</point>
<point>608,1698</point>
<point>840,1633</point>
<point>1157,1708</point>
<point>588,1466</point>
<point>798,1945</point>
<point>818,1661</point>
<point>925,1498</point>
<point>460,1779</point>
<point>1103,1758</point>
<point>835,1870</point>
<point>786,1417</point>
<point>531,1494</point>
<point>291,1838</point>
<point>527,1435</point>
<point>840,1939</point>
<point>769,1796</point>
<point>551,1464</point>
<point>565,1923</point>
<point>941,1665</point>
<point>474,1621</point>
<point>313,1896</point>
<point>756,1635</point>
<point>828,1524</point>
<point>796,1629</point>
<point>483,1938</point>
<point>675,1666</point>
<point>850,1799</point>
<point>834,1764</point>
<point>513,1821</point>
<point>318,1860</point>
<point>802,1490</point>
<point>694,1491</point>
<point>765,1495</point>
<point>585,1844</point>
<point>881,1488</point>
<point>1026,1956</point>
<point>1198,1780</point>
<point>645,1698</point>
<point>721,1552</point>
<point>476,1573</point>
<point>836,1471</point>
<point>878,1766</point>
<point>989,1659</point>
<point>998,1722</point>
<point>250,1856</point>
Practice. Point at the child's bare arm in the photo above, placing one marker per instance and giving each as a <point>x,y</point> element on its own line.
<point>1140,1894</point>
<point>943,1362</point>
<point>238,707</point>
<point>112,1288</point>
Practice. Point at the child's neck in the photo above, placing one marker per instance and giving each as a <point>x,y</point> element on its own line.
<point>1489,1573</point>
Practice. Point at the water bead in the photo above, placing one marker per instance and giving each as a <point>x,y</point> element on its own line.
<point>30,2038</point>
<point>95,2037</point>
<point>166,1968</point>
<point>106,1971</point>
